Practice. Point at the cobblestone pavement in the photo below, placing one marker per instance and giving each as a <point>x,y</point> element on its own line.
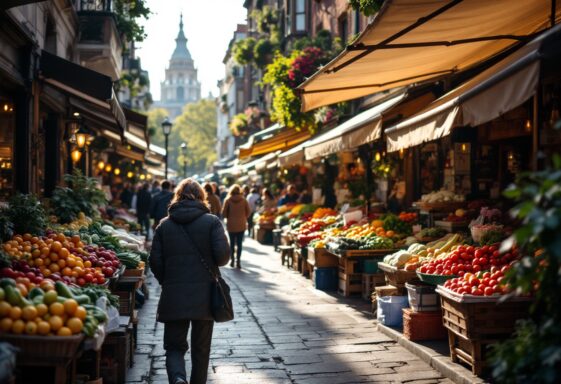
<point>285,331</point>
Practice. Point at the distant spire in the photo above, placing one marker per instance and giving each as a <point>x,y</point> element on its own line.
<point>181,51</point>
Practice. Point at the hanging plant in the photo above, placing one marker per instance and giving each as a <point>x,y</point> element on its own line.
<point>239,125</point>
<point>366,7</point>
<point>243,51</point>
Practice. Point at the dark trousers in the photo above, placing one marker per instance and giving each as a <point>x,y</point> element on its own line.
<point>236,240</point>
<point>175,344</point>
<point>144,222</point>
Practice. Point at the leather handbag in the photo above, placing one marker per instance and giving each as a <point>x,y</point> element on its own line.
<point>221,301</point>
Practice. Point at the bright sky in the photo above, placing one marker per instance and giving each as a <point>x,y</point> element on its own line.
<point>209,25</point>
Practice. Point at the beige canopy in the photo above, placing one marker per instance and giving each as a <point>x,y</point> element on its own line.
<point>495,91</point>
<point>411,41</point>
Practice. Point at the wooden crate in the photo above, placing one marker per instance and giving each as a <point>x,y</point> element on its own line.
<point>322,258</point>
<point>370,282</point>
<point>395,276</point>
<point>126,302</point>
<point>350,284</point>
<point>419,326</point>
<point>349,266</point>
<point>484,320</point>
<point>474,353</point>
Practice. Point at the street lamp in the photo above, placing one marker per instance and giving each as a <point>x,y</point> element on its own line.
<point>166,127</point>
<point>184,151</point>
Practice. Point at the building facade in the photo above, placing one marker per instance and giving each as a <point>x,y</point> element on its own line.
<point>181,85</point>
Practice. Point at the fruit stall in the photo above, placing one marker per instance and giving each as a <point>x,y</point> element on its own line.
<point>67,288</point>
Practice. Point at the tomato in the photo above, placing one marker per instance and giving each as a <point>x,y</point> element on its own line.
<point>486,280</point>
<point>505,269</point>
<point>477,292</point>
<point>489,291</point>
<point>88,277</point>
<point>461,249</point>
<point>470,249</point>
<point>81,282</point>
<point>474,281</point>
<point>477,268</point>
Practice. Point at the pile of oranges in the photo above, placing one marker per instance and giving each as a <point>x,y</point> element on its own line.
<point>51,317</point>
<point>55,256</point>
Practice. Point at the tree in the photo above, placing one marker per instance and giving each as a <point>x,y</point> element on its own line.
<point>196,127</point>
<point>155,118</point>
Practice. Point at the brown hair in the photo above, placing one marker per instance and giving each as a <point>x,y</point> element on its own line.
<point>208,189</point>
<point>188,189</point>
<point>234,190</point>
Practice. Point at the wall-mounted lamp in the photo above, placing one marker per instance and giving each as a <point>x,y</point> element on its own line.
<point>117,171</point>
<point>76,155</point>
<point>108,168</point>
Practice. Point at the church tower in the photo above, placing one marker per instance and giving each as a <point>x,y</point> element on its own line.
<point>181,85</point>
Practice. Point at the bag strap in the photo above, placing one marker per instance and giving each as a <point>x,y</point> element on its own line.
<point>214,276</point>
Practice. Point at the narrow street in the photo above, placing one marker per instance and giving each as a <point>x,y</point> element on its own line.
<point>285,331</point>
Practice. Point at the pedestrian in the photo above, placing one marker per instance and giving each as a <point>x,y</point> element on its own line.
<point>126,196</point>
<point>236,212</point>
<point>155,188</point>
<point>253,199</point>
<point>187,246</point>
<point>268,200</point>
<point>290,197</point>
<point>143,202</point>
<point>305,197</point>
<point>212,200</point>
<point>160,203</point>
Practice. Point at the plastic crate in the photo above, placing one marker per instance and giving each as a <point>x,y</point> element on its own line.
<point>423,325</point>
<point>422,297</point>
<point>325,279</point>
<point>370,266</point>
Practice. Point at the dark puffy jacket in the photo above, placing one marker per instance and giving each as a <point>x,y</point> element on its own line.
<point>176,263</point>
<point>159,205</point>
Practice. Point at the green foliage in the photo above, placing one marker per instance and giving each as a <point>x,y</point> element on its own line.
<point>6,226</point>
<point>534,354</point>
<point>82,194</point>
<point>366,7</point>
<point>26,214</point>
<point>243,51</point>
<point>286,109</point>
<point>128,14</point>
<point>155,118</point>
<point>262,52</point>
<point>265,19</point>
<point>196,126</point>
<point>238,124</point>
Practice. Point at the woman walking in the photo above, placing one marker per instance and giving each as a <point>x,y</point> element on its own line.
<point>212,200</point>
<point>184,239</point>
<point>236,212</point>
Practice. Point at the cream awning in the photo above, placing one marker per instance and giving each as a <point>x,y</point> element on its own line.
<point>411,41</point>
<point>361,129</point>
<point>495,91</point>
<point>293,156</point>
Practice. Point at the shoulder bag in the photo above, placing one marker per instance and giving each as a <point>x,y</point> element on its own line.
<point>220,299</point>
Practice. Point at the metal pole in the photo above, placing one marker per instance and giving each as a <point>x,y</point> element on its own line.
<point>184,169</point>
<point>166,172</point>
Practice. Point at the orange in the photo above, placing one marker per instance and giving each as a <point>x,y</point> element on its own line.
<point>76,239</point>
<point>15,313</point>
<point>80,313</point>
<point>18,327</point>
<point>56,308</point>
<point>390,233</point>
<point>56,246</point>
<point>55,322</point>
<point>27,236</point>
<point>63,253</point>
<point>71,262</point>
<point>47,285</point>
<point>70,306</point>
<point>31,328</point>
<point>45,251</point>
<point>6,324</point>
<point>54,267</point>
<point>66,271</point>
<point>5,308</point>
<point>61,263</point>
<point>53,256</point>
<point>29,313</point>
<point>46,272</point>
<point>34,240</point>
<point>36,253</point>
<point>48,261</point>
<point>64,331</point>
<point>75,325</point>
<point>50,297</point>
<point>43,328</point>
<point>60,237</point>
<point>39,262</point>
<point>87,264</point>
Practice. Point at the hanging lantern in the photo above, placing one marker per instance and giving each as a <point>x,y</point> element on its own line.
<point>117,171</point>
<point>76,155</point>
<point>130,175</point>
<point>101,164</point>
<point>82,137</point>
<point>149,176</point>
<point>377,156</point>
<point>108,168</point>
<point>142,177</point>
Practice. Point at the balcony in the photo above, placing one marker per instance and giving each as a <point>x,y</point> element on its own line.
<point>99,44</point>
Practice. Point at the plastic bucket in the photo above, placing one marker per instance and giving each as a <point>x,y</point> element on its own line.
<point>390,310</point>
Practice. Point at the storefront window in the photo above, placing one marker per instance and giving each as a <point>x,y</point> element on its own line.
<point>7,130</point>
<point>300,15</point>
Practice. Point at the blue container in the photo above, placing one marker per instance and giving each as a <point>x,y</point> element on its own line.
<point>326,279</point>
<point>370,266</point>
<point>389,310</point>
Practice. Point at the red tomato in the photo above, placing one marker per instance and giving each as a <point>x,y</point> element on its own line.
<point>489,291</point>
<point>88,277</point>
<point>81,282</point>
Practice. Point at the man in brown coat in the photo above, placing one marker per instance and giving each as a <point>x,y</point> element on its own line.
<point>236,211</point>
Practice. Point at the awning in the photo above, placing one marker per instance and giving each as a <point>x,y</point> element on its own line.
<point>280,140</point>
<point>7,4</point>
<point>411,41</point>
<point>138,142</point>
<point>495,91</point>
<point>293,156</point>
<point>89,92</point>
<point>361,129</point>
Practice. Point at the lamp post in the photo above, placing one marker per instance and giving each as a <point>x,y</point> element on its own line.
<point>166,127</point>
<point>184,152</point>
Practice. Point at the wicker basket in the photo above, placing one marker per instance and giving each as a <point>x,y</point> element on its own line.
<point>52,348</point>
<point>423,325</point>
<point>396,276</point>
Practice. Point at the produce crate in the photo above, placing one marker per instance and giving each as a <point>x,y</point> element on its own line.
<point>370,282</point>
<point>419,326</point>
<point>365,252</point>
<point>395,276</point>
<point>483,319</point>
<point>350,284</point>
<point>452,226</point>
<point>126,302</point>
<point>116,355</point>
<point>134,272</point>
<point>474,353</point>
<point>349,266</point>
<point>322,258</point>
<point>450,206</point>
<point>422,297</point>
<point>263,235</point>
